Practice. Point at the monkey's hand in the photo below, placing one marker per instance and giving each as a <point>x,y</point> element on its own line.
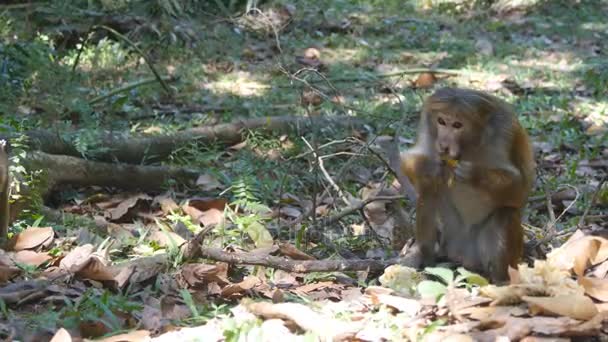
<point>464,171</point>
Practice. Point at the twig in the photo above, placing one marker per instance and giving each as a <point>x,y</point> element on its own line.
<point>140,52</point>
<point>326,174</point>
<point>550,229</point>
<point>126,88</point>
<point>274,29</point>
<point>549,237</point>
<point>353,208</point>
<point>581,222</point>
<point>405,72</point>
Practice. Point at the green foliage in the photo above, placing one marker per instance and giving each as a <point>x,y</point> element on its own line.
<point>94,307</point>
<point>436,289</point>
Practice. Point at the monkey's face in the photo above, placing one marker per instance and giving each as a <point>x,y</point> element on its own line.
<point>454,134</point>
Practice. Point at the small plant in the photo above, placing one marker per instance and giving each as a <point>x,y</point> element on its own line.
<point>436,289</point>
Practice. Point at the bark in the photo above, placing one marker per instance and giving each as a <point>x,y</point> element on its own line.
<point>137,149</point>
<point>62,170</point>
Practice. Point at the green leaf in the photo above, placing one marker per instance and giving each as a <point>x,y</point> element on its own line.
<point>472,278</point>
<point>260,235</point>
<point>443,273</point>
<point>433,289</point>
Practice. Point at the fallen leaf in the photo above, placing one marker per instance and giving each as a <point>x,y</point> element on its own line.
<point>33,237</point>
<point>305,289</point>
<point>62,335</point>
<point>579,252</point>
<point>410,307</point>
<point>283,279</point>
<point>8,272</point>
<point>133,336</point>
<point>151,318</point>
<point>166,239</point>
<point>247,284</point>
<point>125,206</point>
<point>173,308</point>
<point>201,274</point>
<point>211,217</point>
<point>31,258</point>
<point>425,80</point>
<point>96,269</point>
<point>260,235</point>
<point>203,204</point>
<point>574,306</point>
<point>77,258</point>
<point>167,204</point>
<point>291,251</point>
<point>596,288</point>
<point>327,328</point>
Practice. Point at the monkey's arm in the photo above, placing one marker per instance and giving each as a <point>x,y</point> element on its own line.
<point>502,181</point>
<point>422,170</point>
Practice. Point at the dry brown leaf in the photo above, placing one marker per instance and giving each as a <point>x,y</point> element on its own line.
<point>151,318</point>
<point>166,239</point>
<point>167,204</point>
<point>579,252</point>
<point>77,258</point>
<point>378,290</point>
<point>327,328</point>
<point>247,284</point>
<point>173,308</point>
<point>7,273</point>
<point>458,299</point>
<point>96,269</point>
<point>574,306</point>
<point>33,238</point>
<point>425,80</point>
<point>278,296</point>
<point>133,336</point>
<point>211,217</point>
<point>601,270</point>
<point>201,274</point>
<point>128,204</point>
<point>305,289</point>
<point>283,279</point>
<point>411,307</point>
<point>543,339</point>
<point>206,203</point>
<point>596,288</point>
<point>192,212</point>
<point>62,335</point>
<point>488,313</point>
<point>291,251</point>
<point>31,258</point>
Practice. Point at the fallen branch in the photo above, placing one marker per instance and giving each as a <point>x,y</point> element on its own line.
<point>134,150</point>
<point>299,266</point>
<point>61,170</point>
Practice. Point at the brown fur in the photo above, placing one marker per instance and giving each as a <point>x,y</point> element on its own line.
<point>473,210</point>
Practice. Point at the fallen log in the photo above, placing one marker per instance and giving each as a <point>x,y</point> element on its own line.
<point>137,149</point>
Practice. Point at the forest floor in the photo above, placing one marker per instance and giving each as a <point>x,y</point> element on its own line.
<point>183,172</point>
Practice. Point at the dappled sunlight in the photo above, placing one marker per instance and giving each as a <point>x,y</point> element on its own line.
<point>551,60</point>
<point>240,83</point>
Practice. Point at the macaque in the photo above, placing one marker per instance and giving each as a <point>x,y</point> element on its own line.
<point>4,189</point>
<point>472,168</point>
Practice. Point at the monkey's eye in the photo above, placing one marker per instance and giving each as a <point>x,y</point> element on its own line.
<point>457,125</point>
<point>441,122</point>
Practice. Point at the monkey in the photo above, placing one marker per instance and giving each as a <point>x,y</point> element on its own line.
<point>472,168</point>
<point>4,189</point>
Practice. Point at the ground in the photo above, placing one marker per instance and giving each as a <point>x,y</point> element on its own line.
<point>133,168</point>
